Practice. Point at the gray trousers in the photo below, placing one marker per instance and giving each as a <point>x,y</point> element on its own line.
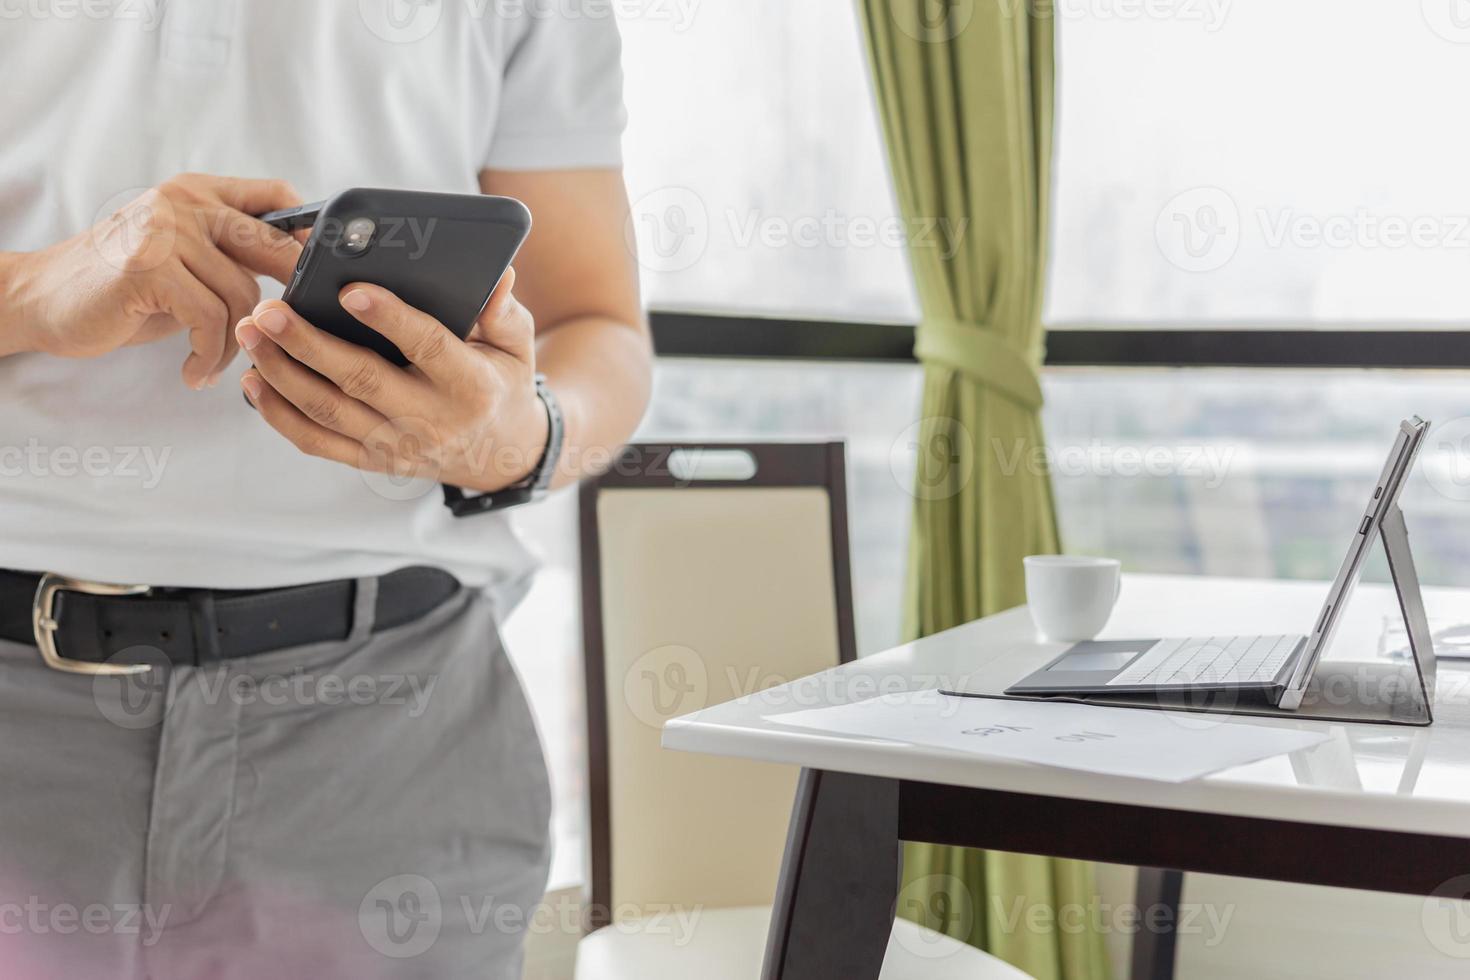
<point>376,807</point>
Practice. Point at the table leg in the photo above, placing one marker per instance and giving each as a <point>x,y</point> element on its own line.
<point>1157,895</point>
<point>839,880</point>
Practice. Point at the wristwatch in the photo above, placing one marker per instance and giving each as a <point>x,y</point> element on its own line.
<point>533,487</point>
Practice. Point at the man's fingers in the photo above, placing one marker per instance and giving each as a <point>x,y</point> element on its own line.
<point>155,326</point>
<point>230,283</point>
<point>256,196</point>
<point>313,395</point>
<point>360,373</point>
<point>504,290</point>
<point>253,244</point>
<point>303,433</point>
<point>257,246</point>
<point>205,316</point>
<point>427,343</point>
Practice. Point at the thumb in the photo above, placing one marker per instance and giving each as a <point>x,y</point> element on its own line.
<point>255,196</point>
<point>264,250</point>
<point>505,325</point>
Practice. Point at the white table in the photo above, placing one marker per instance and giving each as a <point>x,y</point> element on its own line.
<point>1377,807</point>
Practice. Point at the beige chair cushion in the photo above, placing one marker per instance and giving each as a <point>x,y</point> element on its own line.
<point>729,944</point>
<point>726,591</point>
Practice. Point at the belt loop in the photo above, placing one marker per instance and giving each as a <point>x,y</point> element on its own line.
<point>206,627</point>
<point>364,609</point>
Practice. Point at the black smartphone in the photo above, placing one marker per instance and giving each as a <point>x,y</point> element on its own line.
<point>440,253</point>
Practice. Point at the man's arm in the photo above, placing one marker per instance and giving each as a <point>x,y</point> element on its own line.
<point>579,278</point>
<point>13,326</point>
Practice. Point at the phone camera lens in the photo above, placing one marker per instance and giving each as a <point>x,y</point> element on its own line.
<point>358,234</point>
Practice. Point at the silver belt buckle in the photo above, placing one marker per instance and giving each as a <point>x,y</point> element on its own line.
<point>43,623</point>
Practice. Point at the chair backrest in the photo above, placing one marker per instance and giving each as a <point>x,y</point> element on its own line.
<point>708,572</point>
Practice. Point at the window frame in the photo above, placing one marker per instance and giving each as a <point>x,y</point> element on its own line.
<point>681,333</point>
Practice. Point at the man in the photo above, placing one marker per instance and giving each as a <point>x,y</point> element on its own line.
<point>334,772</point>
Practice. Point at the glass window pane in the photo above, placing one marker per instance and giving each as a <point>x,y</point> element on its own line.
<point>1251,160</point>
<point>1253,473</point>
<point>754,161</point>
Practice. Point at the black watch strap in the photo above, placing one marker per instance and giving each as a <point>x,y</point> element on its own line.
<point>535,486</point>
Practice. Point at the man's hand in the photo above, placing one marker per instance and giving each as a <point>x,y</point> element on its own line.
<point>462,413</point>
<point>180,257</point>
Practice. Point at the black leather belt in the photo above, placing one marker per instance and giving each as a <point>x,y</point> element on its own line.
<point>199,626</point>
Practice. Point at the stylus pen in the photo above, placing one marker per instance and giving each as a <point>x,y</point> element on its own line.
<point>293,219</point>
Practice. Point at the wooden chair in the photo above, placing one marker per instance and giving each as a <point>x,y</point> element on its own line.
<point>709,572</point>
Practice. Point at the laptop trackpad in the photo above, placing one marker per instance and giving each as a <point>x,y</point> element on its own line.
<point>1087,656</point>
<point>1083,667</point>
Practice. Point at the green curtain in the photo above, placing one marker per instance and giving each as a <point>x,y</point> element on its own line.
<point>964,89</point>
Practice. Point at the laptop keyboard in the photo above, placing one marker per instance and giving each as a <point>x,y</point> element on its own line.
<point>1226,660</point>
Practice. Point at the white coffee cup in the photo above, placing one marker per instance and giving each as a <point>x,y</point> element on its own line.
<point>1071,597</point>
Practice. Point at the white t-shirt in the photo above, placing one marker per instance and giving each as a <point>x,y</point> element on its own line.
<point>111,469</point>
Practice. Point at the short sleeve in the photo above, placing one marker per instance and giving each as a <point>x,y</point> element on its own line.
<point>561,103</point>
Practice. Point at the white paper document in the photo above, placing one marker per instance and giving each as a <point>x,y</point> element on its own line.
<point>1148,744</point>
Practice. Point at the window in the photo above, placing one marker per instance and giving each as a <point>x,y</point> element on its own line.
<point>1252,473</point>
<point>1319,187</point>
<point>1236,161</point>
<point>760,190</point>
<point>1240,164</point>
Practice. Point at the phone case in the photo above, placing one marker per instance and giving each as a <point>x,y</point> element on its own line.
<point>440,253</point>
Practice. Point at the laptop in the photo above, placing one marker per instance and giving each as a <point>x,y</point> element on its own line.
<point>1272,669</point>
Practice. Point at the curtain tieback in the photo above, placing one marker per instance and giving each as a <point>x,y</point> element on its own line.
<point>981,355</point>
